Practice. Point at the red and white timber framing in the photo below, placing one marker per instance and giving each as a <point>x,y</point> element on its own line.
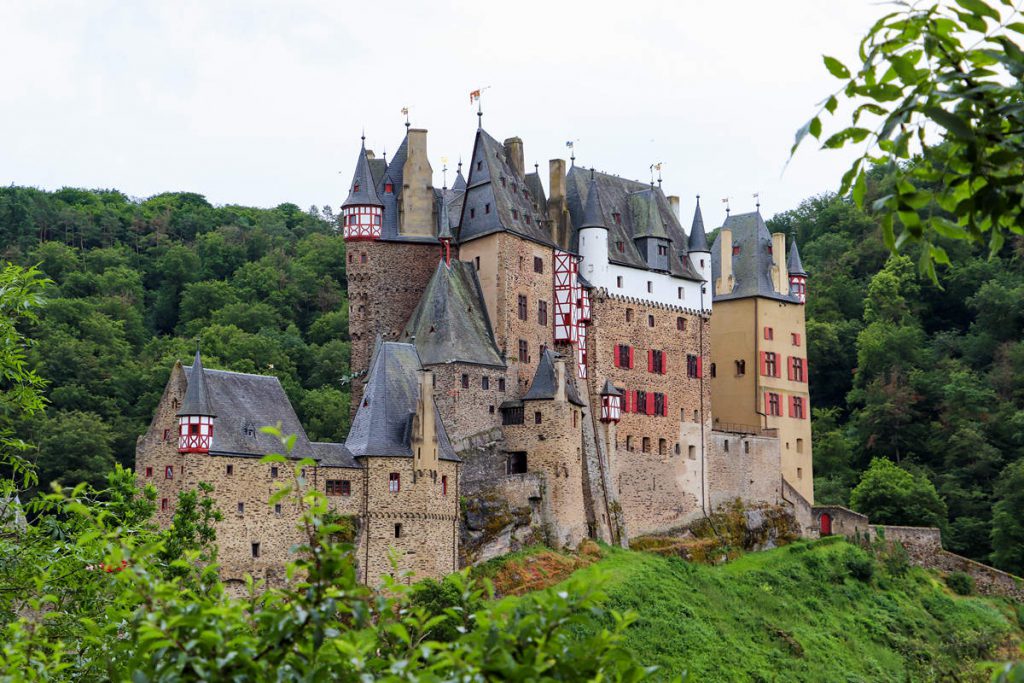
<point>195,432</point>
<point>361,222</point>
<point>611,408</point>
<point>570,302</point>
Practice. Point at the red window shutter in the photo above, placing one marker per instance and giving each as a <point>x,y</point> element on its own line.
<point>764,365</point>
<point>664,362</point>
<point>630,357</point>
<point>767,404</point>
<point>650,360</point>
<point>615,356</point>
<point>650,404</point>
<point>807,371</point>
<point>700,366</point>
<point>789,367</point>
<point>792,409</point>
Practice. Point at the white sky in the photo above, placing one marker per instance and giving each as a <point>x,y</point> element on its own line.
<point>262,102</point>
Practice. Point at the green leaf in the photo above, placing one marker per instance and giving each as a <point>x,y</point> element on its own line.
<point>951,122</point>
<point>860,186</point>
<point>831,104</point>
<point>835,67</point>
<point>978,7</point>
<point>852,134</point>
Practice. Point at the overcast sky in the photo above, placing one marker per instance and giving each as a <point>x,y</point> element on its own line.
<point>263,102</point>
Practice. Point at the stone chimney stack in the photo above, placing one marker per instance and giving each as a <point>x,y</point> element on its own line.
<point>560,392</point>
<point>514,152</point>
<point>558,209</point>
<point>724,281</point>
<point>416,205</point>
<point>673,203</point>
<point>780,271</point>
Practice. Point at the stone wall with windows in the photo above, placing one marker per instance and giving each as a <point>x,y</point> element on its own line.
<point>657,464</point>
<point>746,466</point>
<point>469,399</point>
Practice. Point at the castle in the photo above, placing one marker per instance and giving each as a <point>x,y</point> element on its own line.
<point>529,366</point>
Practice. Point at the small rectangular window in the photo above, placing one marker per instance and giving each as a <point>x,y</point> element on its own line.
<point>618,281</point>
<point>774,405</point>
<point>164,504</point>
<point>516,463</point>
<point>501,384</point>
<point>485,383</point>
<point>444,485</point>
<point>465,381</point>
<point>167,435</point>
<point>650,287</point>
<point>691,453</point>
<point>524,354</point>
<point>241,508</point>
<point>681,324</point>
<point>769,333</point>
<point>522,307</point>
<point>476,262</point>
<point>169,472</point>
<point>536,417</point>
<point>255,550</point>
<point>650,321</point>
<point>629,315</point>
<point>538,264</point>
<point>472,212</point>
<point>487,208</point>
<point>273,472</point>
<point>394,482</point>
<point>542,313</point>
<point>679,292</point>
<point>398,530</point>
<point>645,445</point>
<point>149,471</point>
<point>796,339</point>
<point>229,469</point>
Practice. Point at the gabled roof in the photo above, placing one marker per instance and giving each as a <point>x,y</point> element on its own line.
<point>610,389</point>
<point>245,403</point>
<point>794,265</point>
<point>197,395</point>
<point>334,455</point>
<point>450,323</point>
<point>536,188</point>
<point>509,207</point>
<point>752,259</point>
<point>545,384</point>
<point>615,196</point>
<point>361,190</point>
<point>383,423</point>
<point>698,238</point>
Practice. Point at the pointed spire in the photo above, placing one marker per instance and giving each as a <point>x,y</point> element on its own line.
<point>793,265</point>
<point>460,181</point>
<point>698,238</point>
<point>197,396</point>
<point>593,217</point>
<point>444,231</point>
<point>361,191</point>
<point>609,389</point>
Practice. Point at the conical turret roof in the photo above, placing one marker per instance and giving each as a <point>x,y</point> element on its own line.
<point>197,395</point>
<point>592,215</point>
<point>460,181</point>
<point>698,238</point>
<point>361,191</point>
<point>609,389</point>
<point>444,230</point>
<point>793,265</point>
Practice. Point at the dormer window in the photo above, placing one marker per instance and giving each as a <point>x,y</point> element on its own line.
<point>617,217</point>
<point>620,246</point>
<point>526,195</point>
<point>503,183</point>
<point>355,188</point>
<point>389,188</point>
<point>515,214</point>
<point>479,165</point>
<point>528,221</point>
<point>736,251</point>
<point>769,248</point>
<point>662,250</point>
<point>472,213</point>
<point>487,208</point>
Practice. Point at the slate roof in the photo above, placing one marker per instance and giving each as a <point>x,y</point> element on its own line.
<point>537,196</point>
<point>450,323</point>
<point>243,404</point>
<point>509,207</point>
<point>383,423</point>
<point>593,217</point>
<point>698,238</point>
<point>544,382</point>
<point>610,389</point>
<point>197,395</point>
<point>615,194</point>
<point>460,180</point>
<point>794,265</point>
<point>361,190</point>
<point>334,455</point>
<point>752,265</point>
<point>444,223</point>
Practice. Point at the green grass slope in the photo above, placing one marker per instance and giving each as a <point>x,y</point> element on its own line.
<point>823,611</point>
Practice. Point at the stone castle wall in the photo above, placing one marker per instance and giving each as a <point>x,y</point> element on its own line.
<point>746,466</point>
<point>385,283</point>
<point>660,488</point>
<point>466,411</point>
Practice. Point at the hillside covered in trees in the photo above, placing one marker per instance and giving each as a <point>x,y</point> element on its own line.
<point>929,377</point>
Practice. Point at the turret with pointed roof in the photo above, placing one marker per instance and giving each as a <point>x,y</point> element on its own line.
<point>592,215</point>
<point>197,395</point>
<point>362,210</point>
<point>698,240</point>
<point>195,418</point>
<point>797,275</point>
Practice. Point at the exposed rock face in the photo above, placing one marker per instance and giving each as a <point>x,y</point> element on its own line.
<point>492,527</point>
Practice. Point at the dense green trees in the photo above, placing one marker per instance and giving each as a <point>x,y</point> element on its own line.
<point>930,378</point>
<point>136,282</point>
<point>891,495</point>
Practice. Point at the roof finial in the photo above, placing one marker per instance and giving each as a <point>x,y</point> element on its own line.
<point>460,163</point>
<point>363,136</point>
<point>725,200</point>
<point>757,201</point>
<point>479,115</point>
<point>536,168</point>
<point>698,200</point>
<point>444,173</point>
<point>405,110</point>
<point>591,173</point>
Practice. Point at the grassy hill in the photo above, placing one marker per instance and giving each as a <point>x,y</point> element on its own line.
<point>824,611</point>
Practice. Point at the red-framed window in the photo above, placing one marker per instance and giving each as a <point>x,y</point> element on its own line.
<point>694,366</point>
<point>394,482</point>
<point>769,364</point>
<point>389,188</point>
<point>796,338</point>
<point>773,403</point>
<point>623,356</point>
<point>656,361</point>
<point>164,505</point>
<point>339,487</point>
<point>149,472</point>
<point>769,333</point>
<point>796,369</point>
<point>796,407</point>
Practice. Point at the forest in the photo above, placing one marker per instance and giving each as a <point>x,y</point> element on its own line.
<point>929,376</point>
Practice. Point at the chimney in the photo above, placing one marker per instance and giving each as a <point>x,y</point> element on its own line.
<point>416,207</point>
<point>558,210</point>
<point>369,154</point>
<point>514,154</point>
<point>425,439</point>
<point>560,394</point>
<point>781,271</point>
<point>673,203</point>
<point>724,282</point>
<point>556,180</point>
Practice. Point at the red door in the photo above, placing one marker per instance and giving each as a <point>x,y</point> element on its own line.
<point>826,524</point>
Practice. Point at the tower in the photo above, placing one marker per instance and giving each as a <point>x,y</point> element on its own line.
<point>195,417</point>
<point>697,245</point>
<point>797,276</point>
<point>593,237</point>
<point>759,346</point>
<point>362,211</point>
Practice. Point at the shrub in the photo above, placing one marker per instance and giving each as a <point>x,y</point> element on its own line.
<point>860,565</point>
<point>960,583</point>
